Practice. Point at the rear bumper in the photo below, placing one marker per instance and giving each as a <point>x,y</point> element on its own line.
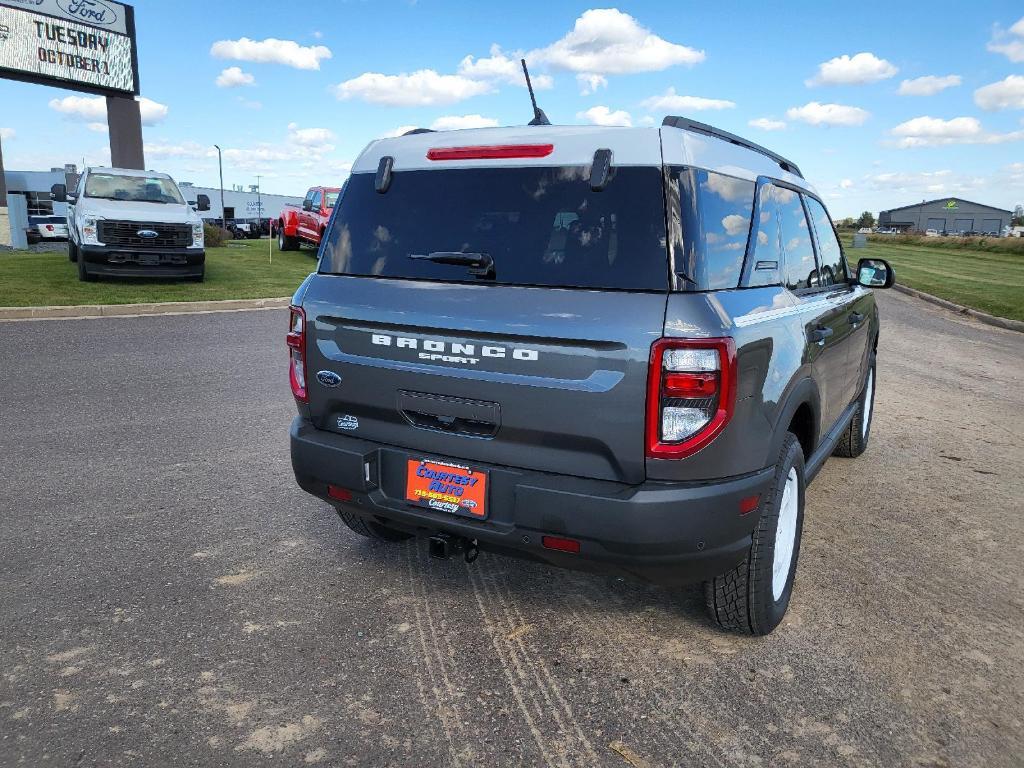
<point>664,533</point>
<point>119,261</point>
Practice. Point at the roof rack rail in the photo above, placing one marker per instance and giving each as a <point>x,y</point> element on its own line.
<point>673,121</point>
<point>415,131</point>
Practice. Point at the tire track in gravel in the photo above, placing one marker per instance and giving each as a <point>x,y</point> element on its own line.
<point>548,686</point>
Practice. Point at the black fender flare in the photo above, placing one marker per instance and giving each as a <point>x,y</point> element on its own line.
<point>801,391</point>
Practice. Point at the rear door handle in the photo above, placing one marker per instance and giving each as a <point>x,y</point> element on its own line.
<point>856,318</point>
<point>819,334</point>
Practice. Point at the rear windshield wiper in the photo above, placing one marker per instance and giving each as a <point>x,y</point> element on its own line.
<point>480,264</point>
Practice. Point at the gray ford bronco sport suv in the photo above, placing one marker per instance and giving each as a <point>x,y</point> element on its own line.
<point>622,350</point>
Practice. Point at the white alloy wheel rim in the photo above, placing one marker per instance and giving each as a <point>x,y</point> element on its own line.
<point>785,534</point>
<point>869,397</point>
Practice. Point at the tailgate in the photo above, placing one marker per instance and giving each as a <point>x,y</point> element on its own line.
<point>536,378</point>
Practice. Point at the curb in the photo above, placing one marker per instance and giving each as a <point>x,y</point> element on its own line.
<point>984,317</point>
<point>79,311</point>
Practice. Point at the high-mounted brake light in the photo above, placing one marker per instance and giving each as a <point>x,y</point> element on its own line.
<point>495,152</point>
<point>691,393</point>
<point>296,341</point>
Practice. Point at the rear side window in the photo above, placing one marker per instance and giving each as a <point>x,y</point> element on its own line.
<point>715,212</point>
<point>540,226</point>
<point>783,241</point>
<point>768,253</point>
<point>830,255</point>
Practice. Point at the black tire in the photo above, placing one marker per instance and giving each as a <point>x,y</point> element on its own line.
<point>72,252</point>
<point>854,440</point>
<point>370,529</point>
<point>744,599</point>
<point>198,278</point>
<point>285,243</point>
<point>83,272</point>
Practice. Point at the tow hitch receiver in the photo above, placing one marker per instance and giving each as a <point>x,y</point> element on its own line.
<point>443,546</point>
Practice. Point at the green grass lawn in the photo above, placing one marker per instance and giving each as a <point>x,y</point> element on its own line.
<point>989,280</point>
<point>241,270</point>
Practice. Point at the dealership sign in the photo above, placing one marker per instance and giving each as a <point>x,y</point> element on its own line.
<point>86,45</point>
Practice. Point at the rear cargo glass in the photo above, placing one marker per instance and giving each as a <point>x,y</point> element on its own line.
<point>541,226</point>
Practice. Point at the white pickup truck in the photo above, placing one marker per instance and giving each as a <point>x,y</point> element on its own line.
<point>130,223</point>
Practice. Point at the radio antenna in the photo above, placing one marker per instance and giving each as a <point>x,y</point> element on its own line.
<point>539,118</point>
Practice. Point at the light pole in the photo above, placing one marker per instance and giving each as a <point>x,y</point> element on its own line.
<point>259,205</point>
<point>220,165</point>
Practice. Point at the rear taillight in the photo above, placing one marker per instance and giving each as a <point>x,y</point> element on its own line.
<point>297,353</point>
<point>49,227</point>
<point>691,390</point>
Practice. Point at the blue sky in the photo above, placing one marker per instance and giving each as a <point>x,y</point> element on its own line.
<point>820,84</point>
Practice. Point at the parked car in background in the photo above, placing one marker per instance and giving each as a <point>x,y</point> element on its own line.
<point>306,223</point>
<point>44,228</point>
<point>128,223</point>
<point>931,233</point>
<point>245,229</point>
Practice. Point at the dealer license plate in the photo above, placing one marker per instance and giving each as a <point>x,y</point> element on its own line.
<point>446,487</point>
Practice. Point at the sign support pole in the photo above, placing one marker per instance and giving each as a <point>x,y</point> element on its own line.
<point>5,222</point>
<point>124,121</point>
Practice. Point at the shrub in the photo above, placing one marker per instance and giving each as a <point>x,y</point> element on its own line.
<point>215,236</point>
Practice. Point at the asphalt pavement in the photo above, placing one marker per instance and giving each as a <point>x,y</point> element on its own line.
<point>168,597</point>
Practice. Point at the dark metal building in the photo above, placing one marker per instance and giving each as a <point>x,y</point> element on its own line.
<point>949,214</point>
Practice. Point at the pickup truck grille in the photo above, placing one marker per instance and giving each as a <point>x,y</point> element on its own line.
<point>127,233</point>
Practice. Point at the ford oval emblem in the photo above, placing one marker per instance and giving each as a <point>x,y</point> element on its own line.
<point>328,378</point>
<point>94,12</point>
<point>149,234</point>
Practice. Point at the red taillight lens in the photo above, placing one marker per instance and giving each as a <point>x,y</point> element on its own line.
<point>496,152</point>
<point>691,391</point>
<point>49,227</point>
<point>296,340</point>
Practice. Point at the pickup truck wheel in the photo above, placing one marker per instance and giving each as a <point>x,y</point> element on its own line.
<point>83,272</point>
<point>753,597</point>
<point>72,252</point>
<point>285,243</point>
<point>854,440</point>
<point>369,529</point>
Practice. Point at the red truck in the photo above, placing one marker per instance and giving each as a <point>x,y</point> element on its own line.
<point>306,223</point>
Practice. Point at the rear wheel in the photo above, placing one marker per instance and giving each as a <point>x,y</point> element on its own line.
<point>370,529</point>
<point>753,597</point>
<point>285,243</point>
<point>854,440</point>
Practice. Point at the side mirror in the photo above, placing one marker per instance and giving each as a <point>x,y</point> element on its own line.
<point>307,205</point>
<point>203,202</point>
<point>875,273</point>
<point>59,193</point>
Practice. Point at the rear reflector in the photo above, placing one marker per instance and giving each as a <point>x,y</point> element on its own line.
<point>495,152</point>
<point>749,504</point>
<point>562,545</point>
<point>341,494</point>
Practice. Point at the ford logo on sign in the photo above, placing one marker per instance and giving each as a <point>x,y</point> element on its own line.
<point>328,378</point>
<point>94,12</point>
<point>148,234</point>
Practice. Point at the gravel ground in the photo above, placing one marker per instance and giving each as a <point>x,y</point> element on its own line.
<point>169,597</point>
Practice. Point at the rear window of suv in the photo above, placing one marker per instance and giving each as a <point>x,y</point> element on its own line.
<point>541,226</point>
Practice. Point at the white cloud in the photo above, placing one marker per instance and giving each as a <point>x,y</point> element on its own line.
<point>313,138</point>
<point>399,131</point>
<point>670,101</point>
<point>7,133</point>
<point>419,89</point>
<point>816,113</point>
<point>94,108</point>
<point>601,115</point>
<point>458,122</point>
<point>1010,43</point>
<point>933,132</point>
<point>500,68</point>
<point>606,41</point>
<point>233,77</point>
<point>1006,94</point>
<point>859,69</point>
<point>767,124</point>
<point>846,184</point>
<point>590,83</point>
<point>271,51</point>
<point>928,85</point>
<point>734,224</point>
<point>97,127</point>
